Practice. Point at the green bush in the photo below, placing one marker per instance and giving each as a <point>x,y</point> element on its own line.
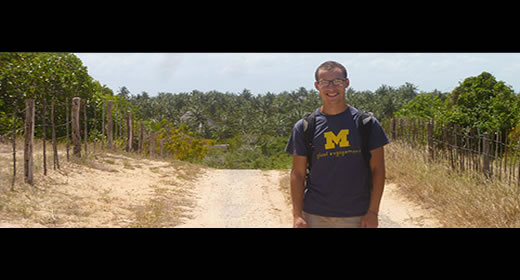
<point>250,152</point>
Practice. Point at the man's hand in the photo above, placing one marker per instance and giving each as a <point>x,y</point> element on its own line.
<point>299,222</point>
<point>370,220</point>
<point>377,166</point>
<point>297,189</point>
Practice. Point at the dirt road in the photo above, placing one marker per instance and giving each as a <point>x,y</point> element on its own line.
<point>114,190</point>
<point>398,212</point>
<point>240,198</point>
<point>255,198</point>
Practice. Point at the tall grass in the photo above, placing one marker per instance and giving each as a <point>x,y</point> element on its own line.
<point>458,200</point>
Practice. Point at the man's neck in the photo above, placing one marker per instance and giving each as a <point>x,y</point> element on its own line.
<point>333,110</point>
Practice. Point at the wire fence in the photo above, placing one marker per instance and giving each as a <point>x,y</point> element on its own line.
<point>114,127</point>
<point>471,151</point>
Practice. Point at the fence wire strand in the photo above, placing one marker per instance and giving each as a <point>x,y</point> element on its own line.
<point>464,150</point>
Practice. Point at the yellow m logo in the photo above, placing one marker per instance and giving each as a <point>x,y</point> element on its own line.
<point>333,139</point>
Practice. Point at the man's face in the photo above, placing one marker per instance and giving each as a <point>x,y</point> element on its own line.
<point>334,92</point>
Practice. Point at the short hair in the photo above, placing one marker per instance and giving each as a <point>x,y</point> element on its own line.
<point>330,65</point>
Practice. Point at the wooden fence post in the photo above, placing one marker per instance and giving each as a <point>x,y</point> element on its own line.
<point>67,126</point>
<point>152,144</point>
<point>472,145</point>
<point>110,125</point>
<point>485,152</point>
<point>393,128</point>
<point>14,144</point>
<point>445,147</point>
<point>54,147</point>
<point>401,133</point>
<point>95,122</point>
<point>451,149</point>
<point>103,125</point>
<point>120,117</point>
<point>162,147</point>
<point>29,141</point>
<point>76,137</point>
<point>44,128</point>
<point>518,178</point>
<point>430,140</point>
<point>457,146</point>
<point>141,137</point>
<point>129,125</point>
<point>115,121</point>
<point>85,134</point>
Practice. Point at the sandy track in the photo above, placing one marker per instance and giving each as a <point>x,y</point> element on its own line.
<point>240,199</point>
<point>253,198</point>
<point>397,212</point>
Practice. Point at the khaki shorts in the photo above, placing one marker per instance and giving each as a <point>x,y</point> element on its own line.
<point>314,221</point>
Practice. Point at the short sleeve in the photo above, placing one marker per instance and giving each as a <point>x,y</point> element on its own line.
<point>378,136</point>
<point>296,144</point>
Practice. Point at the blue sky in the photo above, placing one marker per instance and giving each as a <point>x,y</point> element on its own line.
<point>277,72</point>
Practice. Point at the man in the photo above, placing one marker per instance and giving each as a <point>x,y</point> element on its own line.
<point>338,191</point>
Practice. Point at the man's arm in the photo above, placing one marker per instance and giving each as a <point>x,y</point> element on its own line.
<point>298,173</point>
<point>377,166</point>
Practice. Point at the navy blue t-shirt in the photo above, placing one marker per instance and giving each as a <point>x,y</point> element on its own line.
<point>337,185</point>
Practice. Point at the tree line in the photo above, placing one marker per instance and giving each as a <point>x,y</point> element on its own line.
<point>219,115</point>
<point>255,127</point>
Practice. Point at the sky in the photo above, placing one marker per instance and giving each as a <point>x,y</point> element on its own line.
<point>277,72</point>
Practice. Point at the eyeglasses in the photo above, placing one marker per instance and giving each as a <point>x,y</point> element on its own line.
<point>336,82</point>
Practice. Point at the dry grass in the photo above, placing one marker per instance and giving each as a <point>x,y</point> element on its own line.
<point>456,199</point>
<point>166,209</point>
<point>79,196</point>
